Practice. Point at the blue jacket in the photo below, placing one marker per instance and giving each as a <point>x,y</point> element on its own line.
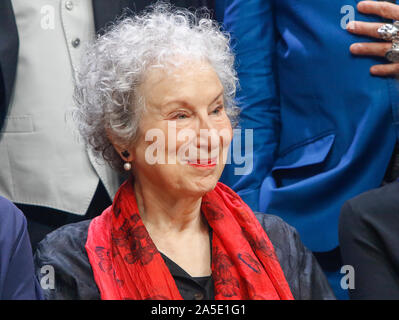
<point>324,128</point>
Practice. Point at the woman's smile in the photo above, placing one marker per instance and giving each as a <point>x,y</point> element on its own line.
<point>203,163</point>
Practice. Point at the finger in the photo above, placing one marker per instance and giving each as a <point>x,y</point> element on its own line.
<point>370,48</point>
<point>365,28</point>
<point>384,70</point>
<point>379,8</point>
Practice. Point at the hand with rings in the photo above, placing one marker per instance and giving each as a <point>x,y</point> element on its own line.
<point>388,32</point>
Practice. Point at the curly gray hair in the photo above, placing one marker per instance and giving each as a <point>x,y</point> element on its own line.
<point>106,89</point>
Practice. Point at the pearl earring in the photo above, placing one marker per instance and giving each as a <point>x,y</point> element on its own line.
<point>127,166</point>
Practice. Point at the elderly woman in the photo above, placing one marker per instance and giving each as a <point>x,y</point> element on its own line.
<point>148,89</point>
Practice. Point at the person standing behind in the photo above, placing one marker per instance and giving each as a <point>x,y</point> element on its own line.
<point>369,243</point>
<point>324,127</point>
<point>44,170</point>
<point>369,222</point>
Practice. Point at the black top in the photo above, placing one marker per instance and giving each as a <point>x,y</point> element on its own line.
<point>368,235</point>
<point>64,249</point>
<point>190,288</point>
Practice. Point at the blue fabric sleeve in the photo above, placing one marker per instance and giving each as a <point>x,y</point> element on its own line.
<point>251,26</point>
<point>17,277</point>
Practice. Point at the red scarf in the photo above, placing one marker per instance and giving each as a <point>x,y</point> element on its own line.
<point>127,265</point>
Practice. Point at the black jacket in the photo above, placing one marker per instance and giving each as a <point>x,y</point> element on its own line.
<point>64,249</point>
<point>369,239</point>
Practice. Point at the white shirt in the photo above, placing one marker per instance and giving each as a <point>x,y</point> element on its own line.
<point>42,160</point>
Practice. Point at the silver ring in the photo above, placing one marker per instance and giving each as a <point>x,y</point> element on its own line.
<point>390,32</point>
<point>392,54</point>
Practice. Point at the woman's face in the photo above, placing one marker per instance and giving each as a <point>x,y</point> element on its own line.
<point>186,127</point>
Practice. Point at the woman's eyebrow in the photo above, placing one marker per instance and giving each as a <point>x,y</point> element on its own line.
<point>217,97</point>
<point>180,102</point>
<point>184,103</point>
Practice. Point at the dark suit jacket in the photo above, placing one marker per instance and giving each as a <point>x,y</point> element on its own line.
<point>368,235</point>
<point>105,11</point>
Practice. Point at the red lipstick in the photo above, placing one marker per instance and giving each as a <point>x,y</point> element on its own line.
<point>203,163</point>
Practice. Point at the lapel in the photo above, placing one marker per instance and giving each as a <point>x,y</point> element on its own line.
<point>8,55</point>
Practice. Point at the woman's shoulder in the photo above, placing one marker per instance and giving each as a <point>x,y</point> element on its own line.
<point>285,238</point>
<point>301,269</point>
<point>276,228</point>
<point>62,254</point>
<point>74,234</point>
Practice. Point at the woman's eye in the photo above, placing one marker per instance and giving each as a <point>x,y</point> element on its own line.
<point>181,116</point>
<point>217,110</point>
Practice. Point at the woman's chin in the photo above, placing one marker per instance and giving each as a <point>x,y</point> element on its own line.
<point>201,187</point>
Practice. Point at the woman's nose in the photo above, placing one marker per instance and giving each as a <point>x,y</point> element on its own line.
<point>204,121</point>
<point>207,135</point>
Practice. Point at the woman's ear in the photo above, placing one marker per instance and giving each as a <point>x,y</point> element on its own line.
<point>124,152</point>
